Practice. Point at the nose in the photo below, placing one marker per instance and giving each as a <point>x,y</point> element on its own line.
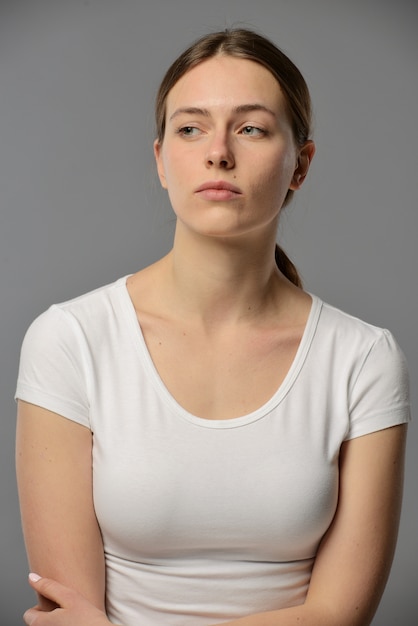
<point>220,153</point>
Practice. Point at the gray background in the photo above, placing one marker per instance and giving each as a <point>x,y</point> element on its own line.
<point>80,204</point>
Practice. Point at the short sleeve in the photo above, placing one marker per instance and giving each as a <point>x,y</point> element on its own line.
<point>380,395</point>
<point>53,366</point>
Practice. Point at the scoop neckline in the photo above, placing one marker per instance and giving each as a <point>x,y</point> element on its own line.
<point>232,422</point>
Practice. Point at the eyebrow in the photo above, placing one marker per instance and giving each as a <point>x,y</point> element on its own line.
<point>242,108</point>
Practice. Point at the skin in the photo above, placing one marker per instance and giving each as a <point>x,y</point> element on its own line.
<point>244,320</point>
<point>256,148</point>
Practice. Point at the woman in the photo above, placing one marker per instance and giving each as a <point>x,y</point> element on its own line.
<point>203,442</point>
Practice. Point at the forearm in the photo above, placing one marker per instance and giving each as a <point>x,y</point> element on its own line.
<point>302,615</point>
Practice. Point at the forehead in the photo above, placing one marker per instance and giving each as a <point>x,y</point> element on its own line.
<point>226,82</point>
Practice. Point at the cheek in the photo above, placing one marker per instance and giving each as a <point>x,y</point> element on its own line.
<point>171,167</point>
<point>167,162</point>
<point>174,182</point>
<point>274,182</point>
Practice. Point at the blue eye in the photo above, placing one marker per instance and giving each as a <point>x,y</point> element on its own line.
<point>252,131</point>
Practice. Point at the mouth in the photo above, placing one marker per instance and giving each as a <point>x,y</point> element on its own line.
<point>218,190</point>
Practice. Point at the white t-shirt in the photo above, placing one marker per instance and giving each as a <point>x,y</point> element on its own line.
<point>209,520</point>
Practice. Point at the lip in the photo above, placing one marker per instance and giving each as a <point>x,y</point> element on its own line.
<point>218,190</point>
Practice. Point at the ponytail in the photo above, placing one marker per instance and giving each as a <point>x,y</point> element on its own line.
<point>286,267</point>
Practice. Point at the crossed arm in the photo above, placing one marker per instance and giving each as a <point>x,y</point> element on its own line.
<point>64,544</point>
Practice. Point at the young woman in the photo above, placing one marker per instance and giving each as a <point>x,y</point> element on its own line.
<point>204,442</point>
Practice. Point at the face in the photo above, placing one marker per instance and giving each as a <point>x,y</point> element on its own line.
<point>228,157</point>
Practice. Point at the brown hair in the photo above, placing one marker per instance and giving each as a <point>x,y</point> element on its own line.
<point>247,44</point>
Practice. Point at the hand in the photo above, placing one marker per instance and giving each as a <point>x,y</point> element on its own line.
<point>73,609</point>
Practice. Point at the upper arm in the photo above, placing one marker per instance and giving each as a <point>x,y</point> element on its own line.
<point>54,474</point>
<point>355,556</point>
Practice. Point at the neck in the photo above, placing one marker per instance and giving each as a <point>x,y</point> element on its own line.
<point>222,281</point>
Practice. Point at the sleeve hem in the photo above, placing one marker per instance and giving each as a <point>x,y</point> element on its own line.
<point>380,421</point>
<point>52,403</point>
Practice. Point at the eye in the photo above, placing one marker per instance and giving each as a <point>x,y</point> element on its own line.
<point>253,131</point>
<point>188,131</point>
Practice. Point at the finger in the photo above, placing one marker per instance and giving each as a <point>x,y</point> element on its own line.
<point>30,615</point>
<point>50,589</point>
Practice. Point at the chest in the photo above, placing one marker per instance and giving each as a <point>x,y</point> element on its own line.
<point>221,377</point>
<point>261,491</point>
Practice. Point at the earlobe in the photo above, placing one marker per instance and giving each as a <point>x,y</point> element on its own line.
<point>159,163</point>
<point>305,157</point>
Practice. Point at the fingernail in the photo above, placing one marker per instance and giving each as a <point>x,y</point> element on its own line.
<point>34,577</point>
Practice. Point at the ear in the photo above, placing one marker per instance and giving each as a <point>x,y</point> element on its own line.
<point>159,162</point>
<point>305,156</point>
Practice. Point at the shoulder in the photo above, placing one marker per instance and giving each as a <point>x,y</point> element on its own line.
<point>338,321</point>
<point>73,330</point>
<point>367,362</point>
<point>63,346</point>
<point>365,353</point>
<point>83,312</point>
<point>355,337</point>
<point>93,304</point>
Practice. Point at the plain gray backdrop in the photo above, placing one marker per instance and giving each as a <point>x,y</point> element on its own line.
<point>80,204</point>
